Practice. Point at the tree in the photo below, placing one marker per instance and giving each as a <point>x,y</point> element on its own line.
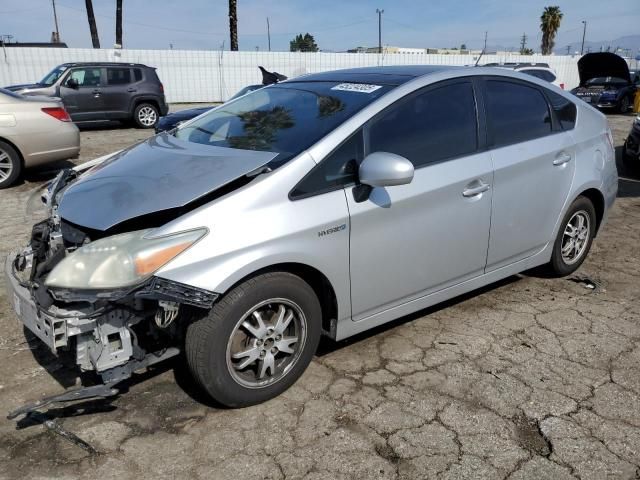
<point>549,25</point>
<point>463,46</point>
<point>92,24</point>
<point>303,43</point>
<point>119,22</point>
<point>526,51</point>
<point>233,24</point>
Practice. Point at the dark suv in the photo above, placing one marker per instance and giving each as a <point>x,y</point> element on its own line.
<point>104,91</point>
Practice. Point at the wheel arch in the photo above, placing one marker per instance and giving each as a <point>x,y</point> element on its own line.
<point>144,99</point>
<point>317,280</point>
<point>596,197</point>
<point>15,147</point>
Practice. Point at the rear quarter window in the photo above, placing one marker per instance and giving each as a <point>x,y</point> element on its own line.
<point>564,109</point>
<point>137,74</point>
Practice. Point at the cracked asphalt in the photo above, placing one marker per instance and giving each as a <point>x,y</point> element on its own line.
<point>531,378</point>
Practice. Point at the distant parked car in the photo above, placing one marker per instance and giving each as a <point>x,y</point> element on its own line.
<point>172,120</point>
<point>605,81</point>
<point>631,150</point>
<point>104,91</point>
<point>540,70</point>
<point>33,131</point>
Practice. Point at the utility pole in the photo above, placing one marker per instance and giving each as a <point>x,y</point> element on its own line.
<point>584,32</point>
<point>523,43</point>
<point>268,34</point>
<point>56,36</point>
<point>485,42</point>
<point>92,24</point>
<point>379,12</point>
<point>568,49</point>
<point>119,22</point>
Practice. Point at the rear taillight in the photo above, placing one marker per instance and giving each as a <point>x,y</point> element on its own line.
<point>161,88</point>
<point>562,86</point>
<point>57,112</point>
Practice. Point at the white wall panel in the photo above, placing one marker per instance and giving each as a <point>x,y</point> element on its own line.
<point>208,76</point>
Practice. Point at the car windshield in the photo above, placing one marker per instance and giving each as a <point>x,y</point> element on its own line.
<point>51,77</point>
<point>286,118</point>
<point>606,81</point>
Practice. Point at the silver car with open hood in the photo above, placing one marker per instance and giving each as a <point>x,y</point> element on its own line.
<point>324,205</point>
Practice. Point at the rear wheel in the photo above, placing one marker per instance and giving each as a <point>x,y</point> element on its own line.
<point>146,115</point>
<point>256,341</point>
<point>10,165</point>
<point>623,106</point>
<point>574,237</point>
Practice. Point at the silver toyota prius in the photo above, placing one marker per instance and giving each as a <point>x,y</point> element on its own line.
<point>323,205</point>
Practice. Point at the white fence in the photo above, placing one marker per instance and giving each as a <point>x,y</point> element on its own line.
<point>208,76</point>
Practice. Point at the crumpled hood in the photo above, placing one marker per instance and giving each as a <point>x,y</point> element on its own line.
<point>159,174</point>
<point>602,64</point>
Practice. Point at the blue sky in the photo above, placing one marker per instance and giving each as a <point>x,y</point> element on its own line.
<point>336,24</point>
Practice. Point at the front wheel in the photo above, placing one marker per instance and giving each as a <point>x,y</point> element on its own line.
<point>146,115</point>
<point>256,341</point>
<point>574,237</point>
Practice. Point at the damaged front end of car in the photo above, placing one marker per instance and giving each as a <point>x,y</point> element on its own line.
<point>85,285</point>
<point>98,300</point>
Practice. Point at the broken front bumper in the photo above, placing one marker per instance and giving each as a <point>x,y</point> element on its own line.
<point>51,330</point>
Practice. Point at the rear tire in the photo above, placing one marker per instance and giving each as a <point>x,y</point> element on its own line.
<point>146,115</point>
<point>574,238</point>
<point>10,165</point>
<point>623,106</point>
<point>256,341</point>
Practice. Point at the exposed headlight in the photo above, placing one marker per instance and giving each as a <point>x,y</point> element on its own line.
<point>120,261</point>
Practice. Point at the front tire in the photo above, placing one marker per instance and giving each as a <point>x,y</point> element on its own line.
<point>146,115</point>
<point>574,238</point>
<point>256,341</point>
<point>10,165</point>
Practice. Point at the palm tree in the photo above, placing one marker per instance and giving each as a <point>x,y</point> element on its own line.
<point>119,22</point>
<point>233,24</point>
<point>549,24</point>
<point>92,24</point>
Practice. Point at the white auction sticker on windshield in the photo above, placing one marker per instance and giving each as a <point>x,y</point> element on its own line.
<point>357,87</point>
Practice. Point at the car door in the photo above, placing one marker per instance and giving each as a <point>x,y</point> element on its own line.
<point>412,240</point>
<point>534,163</point>
<point>118,91</point>
<point>83,100</point>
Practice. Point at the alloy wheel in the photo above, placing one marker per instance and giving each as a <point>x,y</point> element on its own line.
<point>147,116</point>
<point>6,166</point>
<point>266,343</point>
<point>576,237</point>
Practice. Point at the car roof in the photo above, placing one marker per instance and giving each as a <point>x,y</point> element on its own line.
<point>391,75</point>
<point>104,64</point>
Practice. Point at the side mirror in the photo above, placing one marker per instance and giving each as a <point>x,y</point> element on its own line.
<point>72,83</point>
<point>383,169</point>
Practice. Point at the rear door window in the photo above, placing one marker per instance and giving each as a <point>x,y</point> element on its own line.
<point>137,74</point>
<point>118,76</point>
<point>431,126</point>
<point>515,112</point>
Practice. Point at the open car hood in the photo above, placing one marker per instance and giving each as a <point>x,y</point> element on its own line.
<point>158,174</point>
<point>602,64</point>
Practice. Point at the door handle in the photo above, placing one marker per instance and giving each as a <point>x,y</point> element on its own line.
<point>477,190</point>
<point>132,89</point>
<point>562,159</point>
